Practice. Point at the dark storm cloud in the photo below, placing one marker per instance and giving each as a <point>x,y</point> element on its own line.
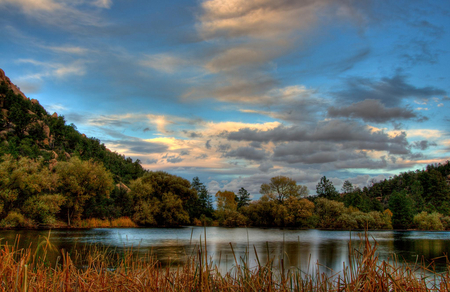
<point>265,166</point>
<point>390,91</point>
<point>362,163</point>
<point>255,144</point>
<point>223,148</point>
<point>208,144</point>
<point>248,153</point>
<point>372,111</point>
<point>331,131</point>
<point>312,153</point>
<point>174,159</point>
<point>184,153</point>
<point>423,145</point>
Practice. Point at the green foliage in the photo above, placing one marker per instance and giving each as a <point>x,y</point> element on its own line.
<point>401,206</point>
<point>15,219</point>
<point>243,198</point>
<point>266,212</point>
<point>204,203</point>
<point>162,199</point>
<point>79,181</point>
<point>328,211</point>
<point>282,187</point>
<point>425,221</point>
<point>325,189</point>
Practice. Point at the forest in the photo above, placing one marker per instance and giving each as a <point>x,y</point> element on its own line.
<point>53,176</point>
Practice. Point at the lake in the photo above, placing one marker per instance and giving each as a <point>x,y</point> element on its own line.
<point>298,248</point>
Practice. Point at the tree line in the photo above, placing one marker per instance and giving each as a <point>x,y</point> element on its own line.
<point>51,174</point>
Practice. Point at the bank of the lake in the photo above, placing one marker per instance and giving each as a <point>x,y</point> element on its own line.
<point>297,248</point>
<point>231,259</point>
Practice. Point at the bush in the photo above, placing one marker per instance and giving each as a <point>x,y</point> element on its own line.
<point>15,219</point>
<point>425,221</point>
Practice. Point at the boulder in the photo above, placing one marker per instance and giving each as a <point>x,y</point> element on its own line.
<point>46,130</point>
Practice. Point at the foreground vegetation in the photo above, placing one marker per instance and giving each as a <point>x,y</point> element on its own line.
<point>102,270</point>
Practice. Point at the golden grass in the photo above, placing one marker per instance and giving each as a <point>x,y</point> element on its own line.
<point>24,270</point>
<point>99,223</point>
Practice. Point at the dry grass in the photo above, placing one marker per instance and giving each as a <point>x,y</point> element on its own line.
<point>24,270</point>
<point>99,223</point>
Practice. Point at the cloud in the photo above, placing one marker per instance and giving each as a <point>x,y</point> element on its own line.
<point>58,70</point>
<point>174,159</point>
<point>248,153</point>
<point>371,110</point>
<point>68,49</point>
<point>247,37</point>
<point>103,3</point>
<point>58,14</point>
<point>389,91</point>
<point>423,144</point>
<point>137,146</point>
<point>265,166</point>
<point>164,62</point>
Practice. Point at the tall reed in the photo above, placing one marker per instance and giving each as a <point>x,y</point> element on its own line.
<point>103,270</point>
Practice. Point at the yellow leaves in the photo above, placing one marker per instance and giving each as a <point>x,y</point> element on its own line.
<point>226,200</point>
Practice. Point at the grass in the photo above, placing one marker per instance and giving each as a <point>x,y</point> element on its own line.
<point>27,270</point>
<point>99,223</point>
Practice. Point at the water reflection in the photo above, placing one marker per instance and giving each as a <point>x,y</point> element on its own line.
<point>295,249</point>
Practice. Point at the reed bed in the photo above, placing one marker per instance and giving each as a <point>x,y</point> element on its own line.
<point>101,270</point>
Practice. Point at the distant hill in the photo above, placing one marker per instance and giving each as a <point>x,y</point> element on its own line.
<point>27,129</point>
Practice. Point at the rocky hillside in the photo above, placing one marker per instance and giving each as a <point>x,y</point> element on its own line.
<point>27,129</point>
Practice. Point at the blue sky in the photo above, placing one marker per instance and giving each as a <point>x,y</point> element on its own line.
<point>239,91</point>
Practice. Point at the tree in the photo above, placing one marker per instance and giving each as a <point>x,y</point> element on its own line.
<point>347,187</point>
<point>401,206</point>
<point>243,198</point>
<point>298,211</point>
<point>29,186</point>
<point>282,187</point>
<point>226,212</point>
<point>162,199</point>
<point>325,189</point>
<point>204,205</point>
<point>79,181</point>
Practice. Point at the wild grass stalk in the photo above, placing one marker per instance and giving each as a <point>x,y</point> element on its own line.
<point>99,269</point>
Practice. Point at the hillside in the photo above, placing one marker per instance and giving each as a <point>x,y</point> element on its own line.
<point>26,129</point>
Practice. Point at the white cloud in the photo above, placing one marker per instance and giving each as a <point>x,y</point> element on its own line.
<point>55,69</point>
<point>68,49</point>
<point>164,62</point>
<point>103,3</point>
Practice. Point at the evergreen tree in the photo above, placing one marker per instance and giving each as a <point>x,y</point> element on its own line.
<point>243,198</point>
<point>325,189</point>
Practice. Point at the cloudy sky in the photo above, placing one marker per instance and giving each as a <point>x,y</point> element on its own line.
<point>239,91</point>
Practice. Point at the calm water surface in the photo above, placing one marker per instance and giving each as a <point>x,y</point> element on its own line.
<point>298,248</point>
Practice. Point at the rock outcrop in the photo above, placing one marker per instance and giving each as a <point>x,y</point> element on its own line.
<point>11,85</point>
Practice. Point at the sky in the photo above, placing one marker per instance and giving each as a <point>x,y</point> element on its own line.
<point>239,91</point>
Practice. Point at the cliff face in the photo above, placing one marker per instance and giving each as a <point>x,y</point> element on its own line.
<point>11,85</point>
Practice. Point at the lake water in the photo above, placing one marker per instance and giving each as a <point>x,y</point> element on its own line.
<point>298,248</point>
